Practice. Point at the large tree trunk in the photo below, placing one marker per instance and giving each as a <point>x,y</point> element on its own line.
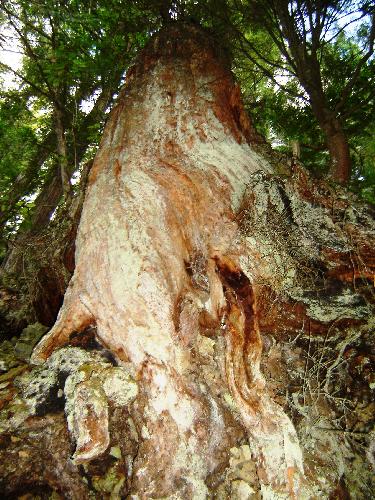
<point>189,252</point>
<point>158,268</point>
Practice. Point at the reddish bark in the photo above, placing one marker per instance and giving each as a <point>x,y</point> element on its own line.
<point>162,197</point>
<point>339,151</point>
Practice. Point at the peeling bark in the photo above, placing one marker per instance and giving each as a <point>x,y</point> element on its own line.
<point>158,265</point>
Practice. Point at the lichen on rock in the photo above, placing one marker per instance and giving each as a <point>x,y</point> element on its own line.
<point>83,384</point>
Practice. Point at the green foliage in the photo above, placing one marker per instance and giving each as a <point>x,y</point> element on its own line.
<point>364,163</point>
<point>75,57</point>
<point>273,80</point>
<point>17,138</point>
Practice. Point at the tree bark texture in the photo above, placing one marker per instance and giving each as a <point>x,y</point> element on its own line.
<point>336,140</point>
<point>157,265</point>
<point>190,254</point>
<point>339,152</point>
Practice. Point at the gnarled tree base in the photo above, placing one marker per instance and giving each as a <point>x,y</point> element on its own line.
<point>158,268</point>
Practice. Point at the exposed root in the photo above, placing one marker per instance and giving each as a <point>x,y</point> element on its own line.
<point>89,421</point>
<point>273,437</point>
<point>74,316</point>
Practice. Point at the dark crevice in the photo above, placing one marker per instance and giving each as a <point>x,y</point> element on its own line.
<point>238,288</point>
<point>286,202</point>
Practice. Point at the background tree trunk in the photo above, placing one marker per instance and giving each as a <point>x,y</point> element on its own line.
<point>305,61</point>
<point>339,152</point>
<point>336,140</point>
<point>52,189</point>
